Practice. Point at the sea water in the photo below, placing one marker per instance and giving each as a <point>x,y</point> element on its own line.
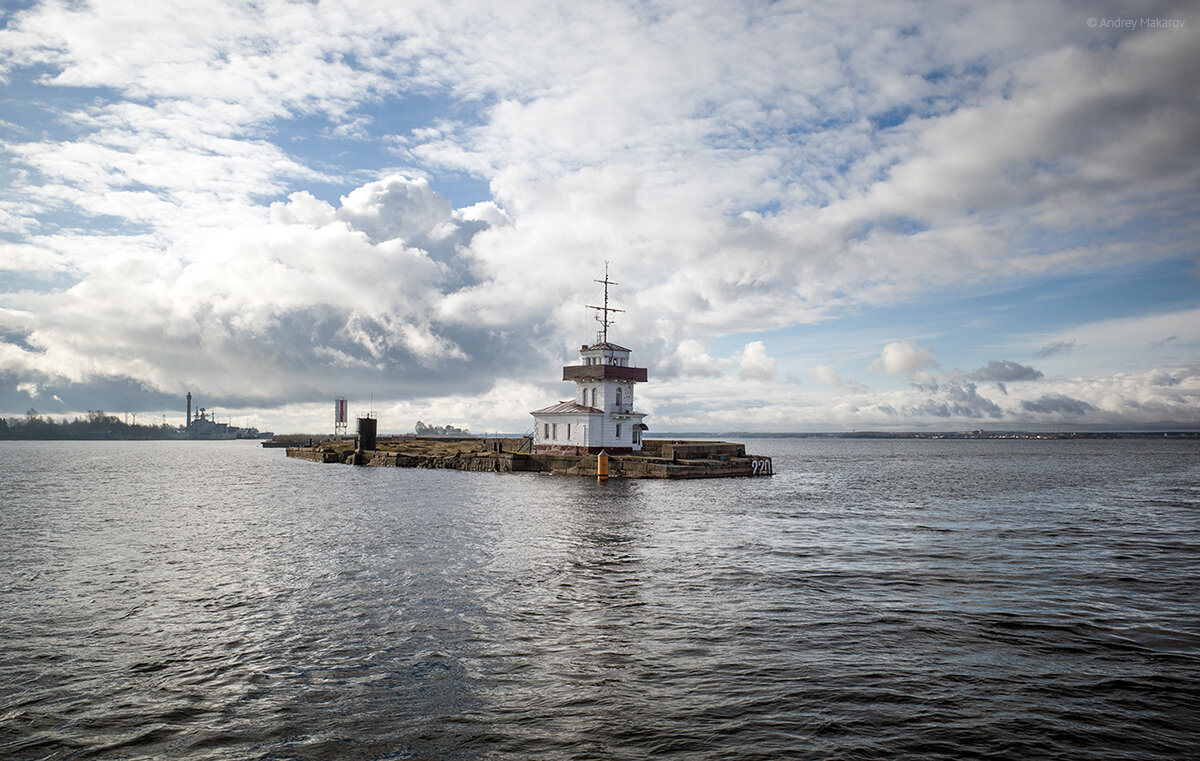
<point>876,599</point>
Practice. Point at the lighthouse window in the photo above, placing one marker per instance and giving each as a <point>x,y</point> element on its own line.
<point>554,428</point>
<point>593,397</point>
<point>546,433</point>
<point>618,396</point>
<point>618,430</point>
<point>568,431</point>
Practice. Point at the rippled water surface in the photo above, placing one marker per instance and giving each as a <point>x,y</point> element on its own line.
<point>875,599</point>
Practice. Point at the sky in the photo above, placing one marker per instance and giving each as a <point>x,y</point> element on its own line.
<point>819,216</point>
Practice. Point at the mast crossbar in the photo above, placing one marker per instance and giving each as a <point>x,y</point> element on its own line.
<point>602,318</point>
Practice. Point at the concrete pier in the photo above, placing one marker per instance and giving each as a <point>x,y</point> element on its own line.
<point>658,459</point>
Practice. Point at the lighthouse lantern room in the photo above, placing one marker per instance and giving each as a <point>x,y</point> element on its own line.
<point>601,417</point>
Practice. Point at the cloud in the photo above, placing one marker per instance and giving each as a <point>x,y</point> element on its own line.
<point>903,357</point>
<point>1054,138</point>
<point>1055,348</point>
<point>826,374</point>
<point>690,359</point>
<point>295,309</point>
<point>395,207</point>
<point>214,206</point>
<point>961,401</point>
<point>1058,404</point>
<point>31,260</point>
<point>754,364</point>
<point>830,377</point>
<point>1160,378</point>
<point>1004,371</point>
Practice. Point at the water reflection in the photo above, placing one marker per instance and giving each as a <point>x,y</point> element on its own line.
<point>561,592</point>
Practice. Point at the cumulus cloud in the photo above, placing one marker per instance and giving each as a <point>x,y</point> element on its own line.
<point>691,359</point>
<point>395,207</point>
<point>754,364</point>
<point>298,308</point>
<point>903,357</point>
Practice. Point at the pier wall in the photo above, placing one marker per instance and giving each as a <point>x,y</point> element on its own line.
<point>697,450</point>
<point>721,464</point>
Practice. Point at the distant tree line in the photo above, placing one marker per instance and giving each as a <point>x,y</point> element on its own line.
<point>94,425</point>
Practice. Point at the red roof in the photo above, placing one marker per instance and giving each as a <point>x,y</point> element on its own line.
<point>561,407</point>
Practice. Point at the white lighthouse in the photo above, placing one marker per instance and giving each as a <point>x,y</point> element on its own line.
<point>601,416</point>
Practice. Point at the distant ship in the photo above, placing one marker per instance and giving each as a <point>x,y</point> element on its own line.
<point>204,426</point>
<point>440,430</point>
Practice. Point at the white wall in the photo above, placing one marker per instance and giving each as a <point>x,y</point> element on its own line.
<point>606,394</point>
<point>586,430</point>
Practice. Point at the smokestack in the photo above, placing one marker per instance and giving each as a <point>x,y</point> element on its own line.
<point>188,421</point>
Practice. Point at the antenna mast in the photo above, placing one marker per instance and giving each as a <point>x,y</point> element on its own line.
<point>602,318</point>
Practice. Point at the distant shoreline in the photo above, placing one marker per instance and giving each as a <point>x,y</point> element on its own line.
<point>949,435</point>
<point>97,426</point>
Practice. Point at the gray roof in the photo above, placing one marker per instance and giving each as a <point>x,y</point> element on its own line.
<point>607,345</point>
<point>561,407</point>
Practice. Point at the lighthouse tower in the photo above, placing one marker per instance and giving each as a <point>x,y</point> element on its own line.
<point>601,416</point>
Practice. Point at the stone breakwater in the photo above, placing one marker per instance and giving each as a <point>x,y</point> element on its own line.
<point>658,458</point>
